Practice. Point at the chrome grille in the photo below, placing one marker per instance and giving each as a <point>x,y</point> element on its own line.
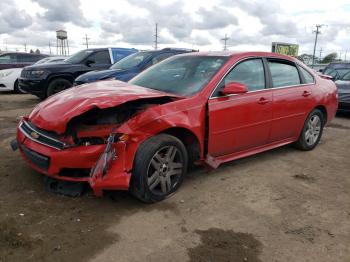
<point>40,136</point>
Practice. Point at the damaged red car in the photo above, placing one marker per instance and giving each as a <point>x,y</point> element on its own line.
<point>197,108</point>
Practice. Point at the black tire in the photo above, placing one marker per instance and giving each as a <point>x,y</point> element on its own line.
<point>304,142</point>
<point>58,85</point>
<point>17,88</point>
<point>144,164</point>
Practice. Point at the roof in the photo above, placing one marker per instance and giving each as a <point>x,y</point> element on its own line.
<point>239,53</point>
<point>19,53</point>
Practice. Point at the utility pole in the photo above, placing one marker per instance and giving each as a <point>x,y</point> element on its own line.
<point>86,41</point>
<point>340,55</point>
<point>346,51</point>
<point>318,26</point>
<point>50,47</point>
<point>225,41</point>
<point>156,38</point>
<point>320,58</point>
<point>25,47</point>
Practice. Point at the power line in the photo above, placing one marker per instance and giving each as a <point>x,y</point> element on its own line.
<point>318,27</point>
<point>156,38</point>
<point>86,38</point>
<point>225,41</point>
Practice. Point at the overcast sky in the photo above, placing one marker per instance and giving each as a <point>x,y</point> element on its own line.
<point>250,25</point>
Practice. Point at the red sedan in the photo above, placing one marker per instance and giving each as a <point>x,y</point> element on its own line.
<point>201,108</point>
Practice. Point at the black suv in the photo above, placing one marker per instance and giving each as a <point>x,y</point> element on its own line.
<point>44,80</point>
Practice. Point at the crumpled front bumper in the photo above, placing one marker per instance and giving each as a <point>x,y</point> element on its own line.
<point>50,161</point>
<point>109,172</point>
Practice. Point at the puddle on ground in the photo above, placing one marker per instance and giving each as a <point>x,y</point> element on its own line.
<point>222,246</point>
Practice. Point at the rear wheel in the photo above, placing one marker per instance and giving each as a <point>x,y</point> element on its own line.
<point>58,85</point>
<point>17,89</point>
<point>159,168</point>
<point>312,131</point>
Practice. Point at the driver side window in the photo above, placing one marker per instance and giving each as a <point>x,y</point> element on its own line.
<point>249,72</point>
<point>100,57</point>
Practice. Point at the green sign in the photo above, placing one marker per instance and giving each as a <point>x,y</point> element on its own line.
<point>285,49</point>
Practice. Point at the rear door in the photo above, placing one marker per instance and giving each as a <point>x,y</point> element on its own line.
<point>292,99</point>
<point>240,122</point>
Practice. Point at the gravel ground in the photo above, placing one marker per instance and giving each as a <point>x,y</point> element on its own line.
<point>282,205</point>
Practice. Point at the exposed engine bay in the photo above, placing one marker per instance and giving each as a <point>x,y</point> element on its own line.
<point>94,126</point>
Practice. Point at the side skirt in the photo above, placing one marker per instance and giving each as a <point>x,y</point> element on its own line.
<point>214,162</point>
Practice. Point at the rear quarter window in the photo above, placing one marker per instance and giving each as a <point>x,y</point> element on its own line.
<point>309,79</point>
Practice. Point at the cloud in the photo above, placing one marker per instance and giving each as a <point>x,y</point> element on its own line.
<point>64,11</point>
<point>216,18</point>
<point>12,18</point>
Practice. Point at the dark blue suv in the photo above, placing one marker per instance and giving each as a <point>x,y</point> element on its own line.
<point>130,66</point>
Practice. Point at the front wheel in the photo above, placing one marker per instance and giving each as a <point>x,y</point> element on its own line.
<point>57,85</point>
<point>17,89</point>
<point>312,131</point>
<point>159,168</point>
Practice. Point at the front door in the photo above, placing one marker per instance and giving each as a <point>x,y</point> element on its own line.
<point>240,122</point>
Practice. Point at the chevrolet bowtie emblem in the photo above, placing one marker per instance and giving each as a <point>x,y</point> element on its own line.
<point>34,135</point>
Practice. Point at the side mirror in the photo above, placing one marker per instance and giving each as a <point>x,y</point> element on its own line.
<point>89,62</point>
<point>234,88</point>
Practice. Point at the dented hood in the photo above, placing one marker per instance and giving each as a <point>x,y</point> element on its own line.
<point>54,113</point>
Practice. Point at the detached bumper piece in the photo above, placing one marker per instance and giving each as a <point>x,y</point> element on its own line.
<point>14,144</point>
<point>66,188</point>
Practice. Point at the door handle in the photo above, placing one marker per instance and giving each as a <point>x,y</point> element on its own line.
<point>306,93</point>
<point>262,101</point>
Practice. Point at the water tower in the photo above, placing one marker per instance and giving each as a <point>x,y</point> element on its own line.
<point>62,43</point>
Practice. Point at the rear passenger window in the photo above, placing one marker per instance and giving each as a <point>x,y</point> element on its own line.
<point>283,74</point>
<point>249,72</point>
<point>309,79</point>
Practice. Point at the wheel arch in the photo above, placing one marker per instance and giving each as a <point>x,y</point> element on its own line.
<point>68,77</point>
<point>189,139</point>
<point>323,109</point>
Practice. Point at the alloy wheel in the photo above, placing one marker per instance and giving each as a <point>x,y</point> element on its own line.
<point>164,170</point>
<point>313,130</point>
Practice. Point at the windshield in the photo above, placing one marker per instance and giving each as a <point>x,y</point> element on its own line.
<point>183,75</point>
<point>131,60</point>
<point>336,73</point>
<point>78,57</point>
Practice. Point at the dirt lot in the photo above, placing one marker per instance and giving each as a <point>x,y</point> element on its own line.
<point>282,205</point>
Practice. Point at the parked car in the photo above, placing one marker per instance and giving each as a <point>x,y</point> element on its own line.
<point>203,108</point>
<point>47,79</point>
<point>343,85</point>
<point>130,66</point>
<point>51,60</point>
<point>336,70</point>
<point>9,77</point>
<point>18,60</point>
